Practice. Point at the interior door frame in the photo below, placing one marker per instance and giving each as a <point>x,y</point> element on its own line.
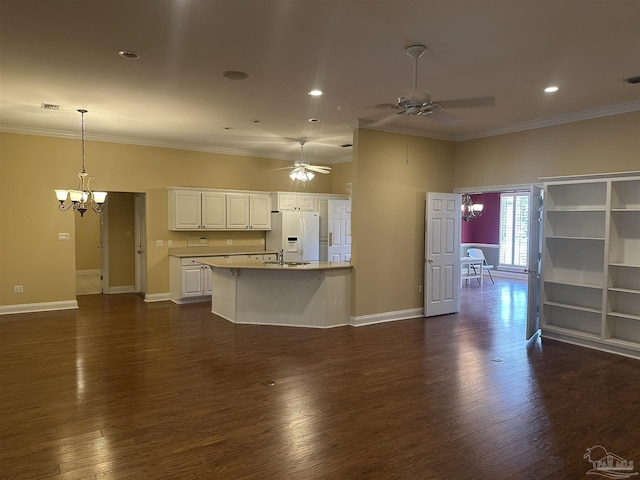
<point>140,232</point>
<point>525,187</point>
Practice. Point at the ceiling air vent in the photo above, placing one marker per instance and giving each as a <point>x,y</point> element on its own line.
<point>49,106</point>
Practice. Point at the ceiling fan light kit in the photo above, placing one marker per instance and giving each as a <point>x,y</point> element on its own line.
<point>419,103</point>
<point>303,171</point>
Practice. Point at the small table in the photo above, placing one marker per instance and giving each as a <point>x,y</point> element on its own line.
<point>471,265</point>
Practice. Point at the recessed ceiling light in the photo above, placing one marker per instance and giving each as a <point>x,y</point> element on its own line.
<point>313,120</point>
<point>235,75</point>
<point>315,93</point>
<point>346,145</point>
<point>49,106</point>
<point>129,54</point>
<point>551,89</point>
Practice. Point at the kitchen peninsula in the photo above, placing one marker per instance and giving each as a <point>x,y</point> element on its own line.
<point>251,291</point>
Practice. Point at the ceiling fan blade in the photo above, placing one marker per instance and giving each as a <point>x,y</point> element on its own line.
<point>284,168</point>
<point>444,118</point>
<point>467,102</point>
<point>318,169</point>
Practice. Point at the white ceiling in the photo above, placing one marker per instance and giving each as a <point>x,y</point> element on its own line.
<point>65,52</point>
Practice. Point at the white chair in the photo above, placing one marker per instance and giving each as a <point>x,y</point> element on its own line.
<point>479,254</point>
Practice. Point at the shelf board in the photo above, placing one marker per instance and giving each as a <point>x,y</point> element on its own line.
<point>574,307</point>
<point>597,208</point>
<point>623,343</point>
<point>630,209</point>
<point>565,237</point>
<point>627,265</point>
<point>634,291</point>
<point>574,284</point>
<point>626,316</point>
<point>570,332</point>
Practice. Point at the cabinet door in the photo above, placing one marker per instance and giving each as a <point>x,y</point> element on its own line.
<point>237,211</point>
<point>192,281</point>
<point>260,212</point>
<point>214,213</point>
<point>187,208</point>
<point>207,281</point>
<point>306,202</point>
<point>287,201</point>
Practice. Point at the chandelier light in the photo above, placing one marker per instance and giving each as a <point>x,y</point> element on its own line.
<point>83,198</point>
<point>469,209</point>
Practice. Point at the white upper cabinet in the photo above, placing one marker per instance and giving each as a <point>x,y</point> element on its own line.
<point>260,212</point>
<point>248,211</point>
<point>294,201</point>
<point>196,209</point>
<point>214,214</point>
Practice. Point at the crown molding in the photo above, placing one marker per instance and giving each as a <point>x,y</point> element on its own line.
<point>556,120</point>
<point>155,143</point>
<point>369,125</point>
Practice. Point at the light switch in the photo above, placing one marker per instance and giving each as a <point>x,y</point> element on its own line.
<point>63,236</point>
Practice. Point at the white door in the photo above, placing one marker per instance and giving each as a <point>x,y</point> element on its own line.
<point>442,252</point>
<point>534,260</point>
<point>339,230</point>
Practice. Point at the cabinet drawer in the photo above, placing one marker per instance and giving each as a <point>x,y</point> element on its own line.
<point>190,260</point>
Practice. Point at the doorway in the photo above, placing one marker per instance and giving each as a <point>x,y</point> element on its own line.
<point>109,246</point>
<point>508,232</point>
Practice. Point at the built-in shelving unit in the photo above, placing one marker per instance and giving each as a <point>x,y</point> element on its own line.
<point>591,262</point>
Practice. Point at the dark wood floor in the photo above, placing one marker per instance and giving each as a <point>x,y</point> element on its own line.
<point>120,389</point>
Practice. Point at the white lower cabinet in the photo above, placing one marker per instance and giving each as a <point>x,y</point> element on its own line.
<point>196,281</point>
<point>191,281</point>
<point>591,262</point>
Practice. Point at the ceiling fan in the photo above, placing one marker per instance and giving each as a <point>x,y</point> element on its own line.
<point>302,170</point>
<point>419,102</point>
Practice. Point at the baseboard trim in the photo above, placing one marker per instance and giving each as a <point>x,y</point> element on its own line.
<point>156,297</point>
<point>120,289</point>
<point>80,273</point>
<point>362,320</point>
<point>38,307</point>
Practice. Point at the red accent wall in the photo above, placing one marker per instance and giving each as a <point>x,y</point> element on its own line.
<point>484,229</point>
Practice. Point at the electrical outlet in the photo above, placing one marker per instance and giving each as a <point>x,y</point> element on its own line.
<point>63,236</point>
<point>229,241</point>
<point>159,243</point>
<point>18,289</point>
<point>420,289</point>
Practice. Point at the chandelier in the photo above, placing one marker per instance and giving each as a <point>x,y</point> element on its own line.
<point>83,198</point>
<point>469,209</point>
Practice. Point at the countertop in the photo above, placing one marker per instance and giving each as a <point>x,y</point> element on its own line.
<point>185,252</point>
<point>254,264</point>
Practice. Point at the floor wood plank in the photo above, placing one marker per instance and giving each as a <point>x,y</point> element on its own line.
<point>122,389</point>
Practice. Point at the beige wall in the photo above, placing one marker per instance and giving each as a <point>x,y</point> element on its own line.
<point>30,253</point>
<point>88,241</point>
<point>121,239</point>
<point>391,175</point>
<point>389,186</point>
<point>600,145</point>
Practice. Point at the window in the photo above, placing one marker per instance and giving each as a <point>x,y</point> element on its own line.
<point>514,229</point>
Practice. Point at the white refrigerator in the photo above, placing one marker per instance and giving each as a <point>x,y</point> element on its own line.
<point>297,234</point>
